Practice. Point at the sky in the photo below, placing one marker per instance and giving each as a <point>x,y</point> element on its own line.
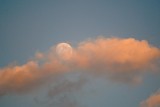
<point>115,59</point>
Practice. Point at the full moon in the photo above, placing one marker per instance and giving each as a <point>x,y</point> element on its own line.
<point>64,51</point>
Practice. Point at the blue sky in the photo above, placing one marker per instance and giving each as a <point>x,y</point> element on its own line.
<point>30,26</point>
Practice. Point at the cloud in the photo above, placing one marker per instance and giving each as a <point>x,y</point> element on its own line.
<point>67,87</point>
<point>152,101</point>
<point>121,59</point>
<point>24,78</point>
<point>134,53</point>
<point>61,94</point>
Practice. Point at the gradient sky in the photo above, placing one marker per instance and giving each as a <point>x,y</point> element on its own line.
<point>30,26</point>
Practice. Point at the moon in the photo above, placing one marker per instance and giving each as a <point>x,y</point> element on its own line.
<point>64,51</point>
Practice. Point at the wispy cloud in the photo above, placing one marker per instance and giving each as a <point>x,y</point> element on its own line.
<point>62,93</point>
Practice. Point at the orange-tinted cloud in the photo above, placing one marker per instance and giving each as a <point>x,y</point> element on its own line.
<point>134,53</point>
<point>20,79</point>
<point>117,58</point>
<point>152,101</point>
<point>16,77</point>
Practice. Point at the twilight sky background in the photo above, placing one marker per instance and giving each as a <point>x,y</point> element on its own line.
<point>30,26</point>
